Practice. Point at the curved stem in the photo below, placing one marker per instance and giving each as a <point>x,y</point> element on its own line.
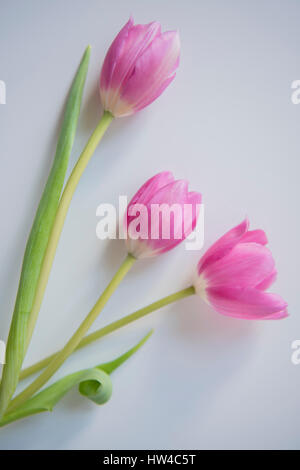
<point>113,327</point>
<point>60,358</point>
<point>60,218</point>
<point>38,237</point>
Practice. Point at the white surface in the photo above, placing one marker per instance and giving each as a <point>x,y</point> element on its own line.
<point>227,124</point>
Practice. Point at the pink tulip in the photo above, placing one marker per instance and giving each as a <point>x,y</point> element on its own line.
<point>139,65</point>
<point>234,273</point>
<point>160,215</point>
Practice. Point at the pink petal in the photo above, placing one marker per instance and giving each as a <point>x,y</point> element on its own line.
<point>246,265</point>
<point>146,192</point>
<point>122,55</point>
<point>128,45</point>
<point>170,193</point>
<point>114,52</point>
<point>223,246</point>
<point>278,315</point>
<point>165,204</point>
<point>175,192</point>
<point>268,281</point>
<point>251,304</point>
<point>194,199</point>
<point>152,185</point>
<point>256,236</point>
<point>137,41</point>
<point>153,71</point>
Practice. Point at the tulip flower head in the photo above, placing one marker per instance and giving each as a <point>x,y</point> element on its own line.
<point>234,274</point>
<point>160,215</point>
<point>140,63</point>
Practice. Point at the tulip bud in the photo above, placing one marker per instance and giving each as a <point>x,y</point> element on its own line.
<point>160,216</point>
<point>234,273</point>
<point>139,65</point>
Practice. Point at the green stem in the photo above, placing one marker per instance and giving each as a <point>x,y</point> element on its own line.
<point>112,327</point>
<point>60,218</point>
<point>38,238</point>
<point>71,345</point>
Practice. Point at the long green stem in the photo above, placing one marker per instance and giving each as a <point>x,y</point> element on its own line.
<point>61,215</point>
<point>71,345</point>
<point>38,237</point>
<point>112,327</point>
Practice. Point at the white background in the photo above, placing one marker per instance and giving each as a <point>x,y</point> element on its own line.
<point>228,125</point>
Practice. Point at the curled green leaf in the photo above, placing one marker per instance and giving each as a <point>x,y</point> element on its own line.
<point>95,384</point>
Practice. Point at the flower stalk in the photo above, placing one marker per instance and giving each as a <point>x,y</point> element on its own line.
<point>94,384</point>
<point>116,325</point>
<point>71,345</point>
<point>38,237</point>
<point>61,215</point>
<point>23,331</point>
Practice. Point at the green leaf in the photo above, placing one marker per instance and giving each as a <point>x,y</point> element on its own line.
<point>38,238</point>
<point>94,383</point>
